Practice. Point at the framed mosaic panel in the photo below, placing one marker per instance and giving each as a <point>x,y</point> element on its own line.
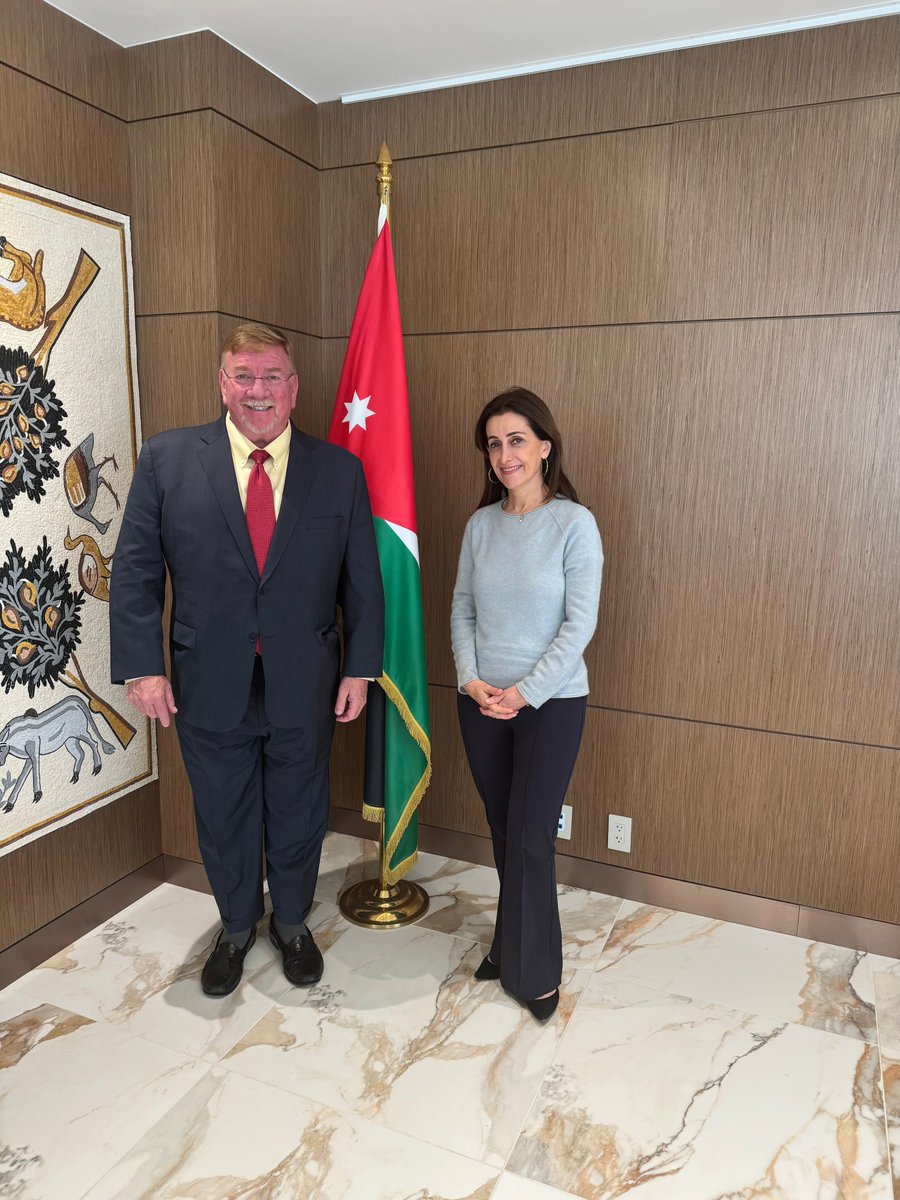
<point>69,440</point>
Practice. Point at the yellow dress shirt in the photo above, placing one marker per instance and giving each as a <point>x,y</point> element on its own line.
<point>275,466</point>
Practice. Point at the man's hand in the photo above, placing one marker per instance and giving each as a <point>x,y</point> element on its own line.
<point>351,699</point>
<point>153,697</point>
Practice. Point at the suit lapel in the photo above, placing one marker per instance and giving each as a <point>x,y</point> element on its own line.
<point>216,460</point>
<point>302,468</point>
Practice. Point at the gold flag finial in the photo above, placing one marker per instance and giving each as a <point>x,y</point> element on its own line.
<point>385,180</point>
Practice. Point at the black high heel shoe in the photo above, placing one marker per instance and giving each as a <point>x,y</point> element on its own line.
<point>488,969</point>
<point>543,1009</point>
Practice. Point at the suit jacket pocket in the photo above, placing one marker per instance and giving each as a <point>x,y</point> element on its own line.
<point>183,635</point>
<point>323,522</point>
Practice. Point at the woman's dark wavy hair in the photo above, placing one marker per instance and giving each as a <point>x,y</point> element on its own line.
<point>525,404</point>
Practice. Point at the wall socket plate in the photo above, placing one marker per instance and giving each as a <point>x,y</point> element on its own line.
<point>564,828</point>
<point>619,834</point>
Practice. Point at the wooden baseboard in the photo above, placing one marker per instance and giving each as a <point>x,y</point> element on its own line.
<point>779,916</point>
<point>186,873</point>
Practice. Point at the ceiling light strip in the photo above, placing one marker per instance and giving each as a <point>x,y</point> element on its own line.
<point>583,60</point>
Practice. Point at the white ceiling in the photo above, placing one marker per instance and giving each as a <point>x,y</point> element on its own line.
<point>340,48</point>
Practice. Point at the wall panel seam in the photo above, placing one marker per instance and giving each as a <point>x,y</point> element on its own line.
<point>62,92</point>
<point>826,316</point>
<point>157,116</point>
<point>787,733</point>
<point>489,147</point>
<point>209,108</point>
<point>217,312</point>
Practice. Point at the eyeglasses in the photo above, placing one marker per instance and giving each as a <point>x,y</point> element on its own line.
<point>272,379</point>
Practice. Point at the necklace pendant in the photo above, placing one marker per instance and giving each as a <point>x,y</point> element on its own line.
<point>521,517</point>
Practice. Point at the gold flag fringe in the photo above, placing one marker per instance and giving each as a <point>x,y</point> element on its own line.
<point>373,813</point>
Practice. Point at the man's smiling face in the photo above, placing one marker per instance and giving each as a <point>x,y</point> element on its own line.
<point>262,410</point>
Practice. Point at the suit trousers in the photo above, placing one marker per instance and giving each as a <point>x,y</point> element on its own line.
<point>259,788</point>
<point>522,768</point>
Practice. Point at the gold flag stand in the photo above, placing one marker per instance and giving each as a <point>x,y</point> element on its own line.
<point>375,903</point>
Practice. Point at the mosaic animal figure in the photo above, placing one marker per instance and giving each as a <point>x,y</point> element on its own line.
<point>93,565</point>
<point>23,298</point>
<point>66,724</point>
<point>82,481</point>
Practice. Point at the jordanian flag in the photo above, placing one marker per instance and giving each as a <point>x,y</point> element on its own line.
<point>371,419</point>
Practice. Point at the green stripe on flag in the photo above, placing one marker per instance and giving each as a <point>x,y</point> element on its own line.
<point>407,737</point>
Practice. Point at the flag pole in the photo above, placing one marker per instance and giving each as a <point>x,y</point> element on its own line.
<point>385,180</point>
<point>376,903</point>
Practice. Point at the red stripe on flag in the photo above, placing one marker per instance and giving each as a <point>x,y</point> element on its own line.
<point>375,370</point>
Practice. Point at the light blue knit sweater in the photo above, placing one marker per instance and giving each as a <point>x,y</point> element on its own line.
<point>526,598</point>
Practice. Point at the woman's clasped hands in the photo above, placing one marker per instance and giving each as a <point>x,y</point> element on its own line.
<point>501,703</point>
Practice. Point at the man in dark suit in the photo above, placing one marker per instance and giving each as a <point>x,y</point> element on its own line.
<point>264,531</point>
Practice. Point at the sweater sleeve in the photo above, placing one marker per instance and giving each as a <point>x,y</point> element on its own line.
<point>583,568</point>
<point>462,615</point>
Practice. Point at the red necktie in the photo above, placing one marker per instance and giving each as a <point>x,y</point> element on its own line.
<point>260,508</point>
<point>260,512</point>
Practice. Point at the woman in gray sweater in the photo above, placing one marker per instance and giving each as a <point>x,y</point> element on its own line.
<point>524,609</point>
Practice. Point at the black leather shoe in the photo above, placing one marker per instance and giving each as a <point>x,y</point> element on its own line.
<point>300,957</point>
<point>543,1009</point>
<point>223,969</point>
<point>488,969</point>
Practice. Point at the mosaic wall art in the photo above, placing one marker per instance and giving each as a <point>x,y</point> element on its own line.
<point>69,440</point>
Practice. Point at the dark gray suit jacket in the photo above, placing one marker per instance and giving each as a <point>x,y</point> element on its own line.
<point>184,513</point>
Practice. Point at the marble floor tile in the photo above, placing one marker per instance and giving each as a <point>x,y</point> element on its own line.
<point>463,901</point>
<point>886,980</point>
<point>514,1187</point>
<point>662,1097</point>
<point>237,1139</point>
<point>346,860</point>
<point>587,920</point>
<point>141,973</point>
<point>73,1093</point>
<point>773,974</point>
<point>398,1031</point>
<point>689,1060</point>
<point>890,1068</point>
<point>462,896</point>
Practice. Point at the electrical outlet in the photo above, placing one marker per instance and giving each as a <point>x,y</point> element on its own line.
<point>619,834</point>
<point>564,828</point>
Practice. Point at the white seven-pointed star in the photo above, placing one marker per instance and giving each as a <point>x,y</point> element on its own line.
<point>357,412</point>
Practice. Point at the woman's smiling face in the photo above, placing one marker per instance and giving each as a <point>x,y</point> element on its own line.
<point>516,455</point>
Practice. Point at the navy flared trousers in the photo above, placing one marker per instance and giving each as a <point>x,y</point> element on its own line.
<point>522,768</point>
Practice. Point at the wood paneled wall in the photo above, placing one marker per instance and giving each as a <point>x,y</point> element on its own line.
<point>66,136</point>
<point>843,62</point>
<point>216,161</point>
<point>693,258</point>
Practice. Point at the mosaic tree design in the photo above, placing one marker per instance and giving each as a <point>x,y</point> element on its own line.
<point>40,629</point>
<point>40,619</point>
<point>31,428</point>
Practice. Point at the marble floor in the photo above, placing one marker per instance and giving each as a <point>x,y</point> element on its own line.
<point>689,1060</point>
